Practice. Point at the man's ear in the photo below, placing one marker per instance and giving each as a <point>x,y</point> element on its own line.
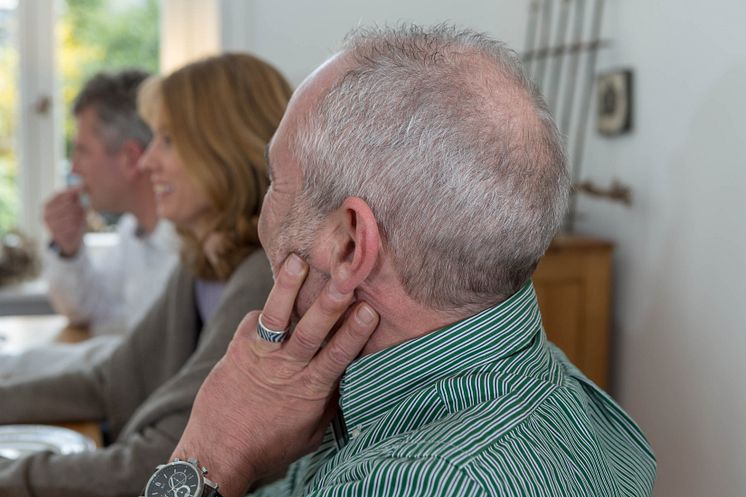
<point>356,244</point>
<point>130,153</point>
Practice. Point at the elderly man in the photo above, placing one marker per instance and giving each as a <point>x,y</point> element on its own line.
<point>419,177</point>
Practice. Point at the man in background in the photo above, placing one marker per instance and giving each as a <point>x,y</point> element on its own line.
<point>111,292</point>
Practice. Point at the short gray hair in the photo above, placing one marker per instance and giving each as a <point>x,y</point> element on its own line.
<point>114,98</point>
<point>442,134</point>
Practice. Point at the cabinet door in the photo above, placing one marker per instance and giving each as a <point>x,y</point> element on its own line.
<point>573,285</point>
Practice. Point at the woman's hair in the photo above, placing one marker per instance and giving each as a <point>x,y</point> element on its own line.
<point>221,112</point>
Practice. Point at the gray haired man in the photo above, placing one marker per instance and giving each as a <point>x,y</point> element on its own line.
<point>111,290</point>
<point>417,178</point>
<point>110,294</point>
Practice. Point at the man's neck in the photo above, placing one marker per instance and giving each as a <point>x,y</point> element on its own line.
<point>144,210</point>
<point>402,319</point>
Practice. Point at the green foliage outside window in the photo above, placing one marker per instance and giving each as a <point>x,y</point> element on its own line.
<point>104,35</point>
<point>8,98</point>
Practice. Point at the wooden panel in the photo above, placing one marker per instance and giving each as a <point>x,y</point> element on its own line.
<point>563,328</point>
<point>573,285</point>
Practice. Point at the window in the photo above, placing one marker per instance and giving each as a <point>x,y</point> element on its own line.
<point>103,35</point>
<point>48,49</point>
<point>8,113</point>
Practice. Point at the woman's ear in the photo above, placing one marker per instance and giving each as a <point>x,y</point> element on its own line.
<point>356,244</point>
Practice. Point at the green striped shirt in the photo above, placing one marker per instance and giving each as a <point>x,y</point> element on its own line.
<point>484,407</point>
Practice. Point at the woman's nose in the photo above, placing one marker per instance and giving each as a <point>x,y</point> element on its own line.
<point>146,161</point>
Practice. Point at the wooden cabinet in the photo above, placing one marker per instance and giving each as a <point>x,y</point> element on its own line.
<point>573,284</point>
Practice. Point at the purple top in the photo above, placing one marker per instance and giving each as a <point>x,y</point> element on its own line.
<point>208,294</point>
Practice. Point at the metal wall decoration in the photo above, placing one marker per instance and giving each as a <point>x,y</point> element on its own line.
<point>563,38</point>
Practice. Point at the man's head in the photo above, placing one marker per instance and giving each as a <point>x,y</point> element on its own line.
<point>442,138</point>
<point>110,137</point>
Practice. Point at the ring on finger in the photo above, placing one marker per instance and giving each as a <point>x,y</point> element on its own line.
<point>268,334</point>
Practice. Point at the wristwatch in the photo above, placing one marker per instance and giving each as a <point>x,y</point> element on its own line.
<point>181,478</point>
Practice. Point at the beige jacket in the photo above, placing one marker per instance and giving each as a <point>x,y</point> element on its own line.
<point>144,391</point>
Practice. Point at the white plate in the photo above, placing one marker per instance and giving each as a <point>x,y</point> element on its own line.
<point>20,440</point>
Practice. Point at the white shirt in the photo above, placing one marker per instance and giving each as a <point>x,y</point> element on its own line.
<point>112,292</point>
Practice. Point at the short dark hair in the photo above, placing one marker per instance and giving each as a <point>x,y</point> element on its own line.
<point>114,98</point>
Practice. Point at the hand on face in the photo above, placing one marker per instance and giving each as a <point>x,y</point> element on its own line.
<point>266,404</point>
<point>65,218</point>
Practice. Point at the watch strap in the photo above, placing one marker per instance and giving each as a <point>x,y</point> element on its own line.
<point>213,492</point>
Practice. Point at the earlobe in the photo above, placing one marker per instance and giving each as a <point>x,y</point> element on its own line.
<point>357,243</point>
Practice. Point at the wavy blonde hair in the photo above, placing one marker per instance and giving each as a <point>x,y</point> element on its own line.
<point>221,112</point>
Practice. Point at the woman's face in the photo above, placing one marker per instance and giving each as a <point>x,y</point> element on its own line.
<point>178,198</point>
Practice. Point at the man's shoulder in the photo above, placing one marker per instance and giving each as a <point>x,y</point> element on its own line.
<point>252,274</point>
<point>527,434</point>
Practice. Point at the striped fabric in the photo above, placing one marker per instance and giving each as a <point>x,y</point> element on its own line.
<point>484,407</point>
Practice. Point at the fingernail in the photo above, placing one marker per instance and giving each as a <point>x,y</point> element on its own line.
<point>295,265</point>
<point>366,314</point>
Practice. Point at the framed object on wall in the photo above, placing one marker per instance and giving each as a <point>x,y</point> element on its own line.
<point>614,102</point>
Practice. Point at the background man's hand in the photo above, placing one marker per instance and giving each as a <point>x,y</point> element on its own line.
<point>265,404</point>
<point>65,218</point>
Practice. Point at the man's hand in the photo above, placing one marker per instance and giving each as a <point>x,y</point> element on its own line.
<point>65,218</point>
<point>265,404</point>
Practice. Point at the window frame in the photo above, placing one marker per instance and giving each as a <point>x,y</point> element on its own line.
<point>38,140</point>
<point>39,135</point>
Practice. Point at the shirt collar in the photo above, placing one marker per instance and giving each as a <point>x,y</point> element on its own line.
<point>164,236</point>
<point>375,383</point>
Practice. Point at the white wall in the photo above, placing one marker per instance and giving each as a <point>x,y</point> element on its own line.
<point>680,270</point>
<point>190,30</point>
<point>297,36</point>
<point>679,259</point>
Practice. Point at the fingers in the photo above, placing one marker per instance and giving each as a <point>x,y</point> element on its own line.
<point>65,219</point>
<point>346,344</point>
<point>64,205</point>
<point>281,300</point>
<point>68,196</point>
<point>314,327</point>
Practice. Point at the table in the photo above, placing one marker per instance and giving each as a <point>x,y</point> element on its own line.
<point>19,333</point>
<point>25,298</point>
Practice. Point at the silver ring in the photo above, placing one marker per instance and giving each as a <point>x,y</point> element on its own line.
<point>269,335</point>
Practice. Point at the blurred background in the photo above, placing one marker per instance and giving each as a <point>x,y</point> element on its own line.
<point>664,184</point>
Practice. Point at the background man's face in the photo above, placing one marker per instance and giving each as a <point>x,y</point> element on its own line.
<point>100,169</point>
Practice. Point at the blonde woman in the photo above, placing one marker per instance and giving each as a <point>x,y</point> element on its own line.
<point>211,121</point>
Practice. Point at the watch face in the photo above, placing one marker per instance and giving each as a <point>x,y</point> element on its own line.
<point>177,479</point>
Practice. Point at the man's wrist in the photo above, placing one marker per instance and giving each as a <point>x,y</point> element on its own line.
<point>65,254</point>
<point>233,476</point>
